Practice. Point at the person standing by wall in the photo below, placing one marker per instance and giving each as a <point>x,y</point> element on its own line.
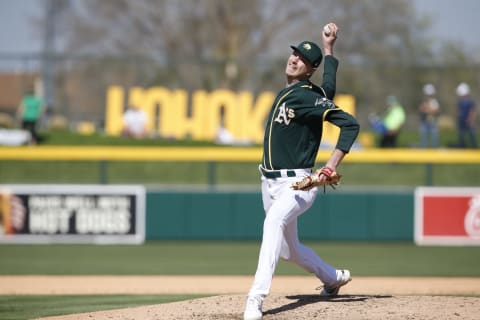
<point>466,112</point>
<point>135,123</point>
<point>389,126</point>
<point>429,110</point>
<point>29,111</point>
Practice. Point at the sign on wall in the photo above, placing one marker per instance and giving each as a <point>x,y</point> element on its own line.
<point>178,114</point>
<point>72,214</point>
<point>447,216</point>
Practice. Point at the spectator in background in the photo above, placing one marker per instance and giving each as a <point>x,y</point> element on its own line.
<point>29,111</point>
<point>429,110</point>
<point>389,126</point>
<point>135,123</point>
<point>465,116</point>
<point>223,136</point>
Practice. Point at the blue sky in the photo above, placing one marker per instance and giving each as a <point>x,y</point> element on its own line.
<point>453,20</point>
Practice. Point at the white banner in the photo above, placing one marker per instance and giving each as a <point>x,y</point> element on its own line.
<point>101,214</point>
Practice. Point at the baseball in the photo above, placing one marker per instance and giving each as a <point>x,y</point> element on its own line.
<point>326,30</point>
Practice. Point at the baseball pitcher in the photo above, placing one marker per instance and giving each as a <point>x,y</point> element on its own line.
<point>289,185</point>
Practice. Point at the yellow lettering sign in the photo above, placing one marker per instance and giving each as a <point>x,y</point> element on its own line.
<point>172,115</point>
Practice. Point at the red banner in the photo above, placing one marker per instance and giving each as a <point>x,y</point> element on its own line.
<point>447,216</point>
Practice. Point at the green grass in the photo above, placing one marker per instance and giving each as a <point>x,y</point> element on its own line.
<point>233,258</point>
<point>209,258</point>
<point>35,306</point>
<point>201,173</point>
<point>70,138</point>
<point>193,173</point>
<point>408,138</point>
<point>204,258</point>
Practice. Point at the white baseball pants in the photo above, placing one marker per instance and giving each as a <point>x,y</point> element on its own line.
<point>283,206</point>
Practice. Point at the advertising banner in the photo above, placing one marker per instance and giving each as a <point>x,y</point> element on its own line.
<point>447,216</point>
<point>102,214</point>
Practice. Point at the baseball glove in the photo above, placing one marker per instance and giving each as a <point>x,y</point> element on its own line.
<point>313,180</point>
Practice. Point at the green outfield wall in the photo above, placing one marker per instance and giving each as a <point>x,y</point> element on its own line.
<point>366,216</point>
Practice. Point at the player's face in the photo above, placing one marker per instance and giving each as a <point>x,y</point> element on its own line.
<point>297,67</point>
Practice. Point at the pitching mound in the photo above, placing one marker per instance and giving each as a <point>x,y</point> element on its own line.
<point>291,298</point>
<point>372,307</point>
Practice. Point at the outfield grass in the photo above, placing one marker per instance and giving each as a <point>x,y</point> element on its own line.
<point>36,306</point>
<point>26,172</point>
<point>233,258</point>
<point>207,258</point>
<point>201,173</point>
<point>407,139</point>
<point>204,258</point>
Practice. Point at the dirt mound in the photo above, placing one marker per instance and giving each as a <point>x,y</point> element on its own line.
<point>292,297</point>
<point>279,307</point>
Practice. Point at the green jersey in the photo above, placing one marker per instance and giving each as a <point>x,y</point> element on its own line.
<point>32,107</point>
<point>295,123</point>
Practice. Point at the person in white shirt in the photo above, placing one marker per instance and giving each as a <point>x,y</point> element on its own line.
<point>135,123</point>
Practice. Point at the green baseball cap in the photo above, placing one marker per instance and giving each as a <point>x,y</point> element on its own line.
<point>310,51</point>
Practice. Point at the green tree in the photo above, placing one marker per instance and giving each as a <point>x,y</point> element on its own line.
<point>242,45</point>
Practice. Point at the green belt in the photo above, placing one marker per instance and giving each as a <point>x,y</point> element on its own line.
<point>277,174</point>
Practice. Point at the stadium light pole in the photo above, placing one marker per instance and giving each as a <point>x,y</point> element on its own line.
<point>48,63</point>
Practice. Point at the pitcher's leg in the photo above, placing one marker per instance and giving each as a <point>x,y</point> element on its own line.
<point>283,211</point>
<point>269,253</point>
<point>305,257</point>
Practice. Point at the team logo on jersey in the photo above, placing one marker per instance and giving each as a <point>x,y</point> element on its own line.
<point>325,103</point>
<point>285,115</point>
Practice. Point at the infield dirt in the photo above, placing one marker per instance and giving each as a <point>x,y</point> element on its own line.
<point>290,298</point>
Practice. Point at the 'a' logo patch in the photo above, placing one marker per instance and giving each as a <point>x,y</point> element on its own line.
<point>285,115</point>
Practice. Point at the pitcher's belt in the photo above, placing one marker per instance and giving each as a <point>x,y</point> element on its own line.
<point>284,173</point>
